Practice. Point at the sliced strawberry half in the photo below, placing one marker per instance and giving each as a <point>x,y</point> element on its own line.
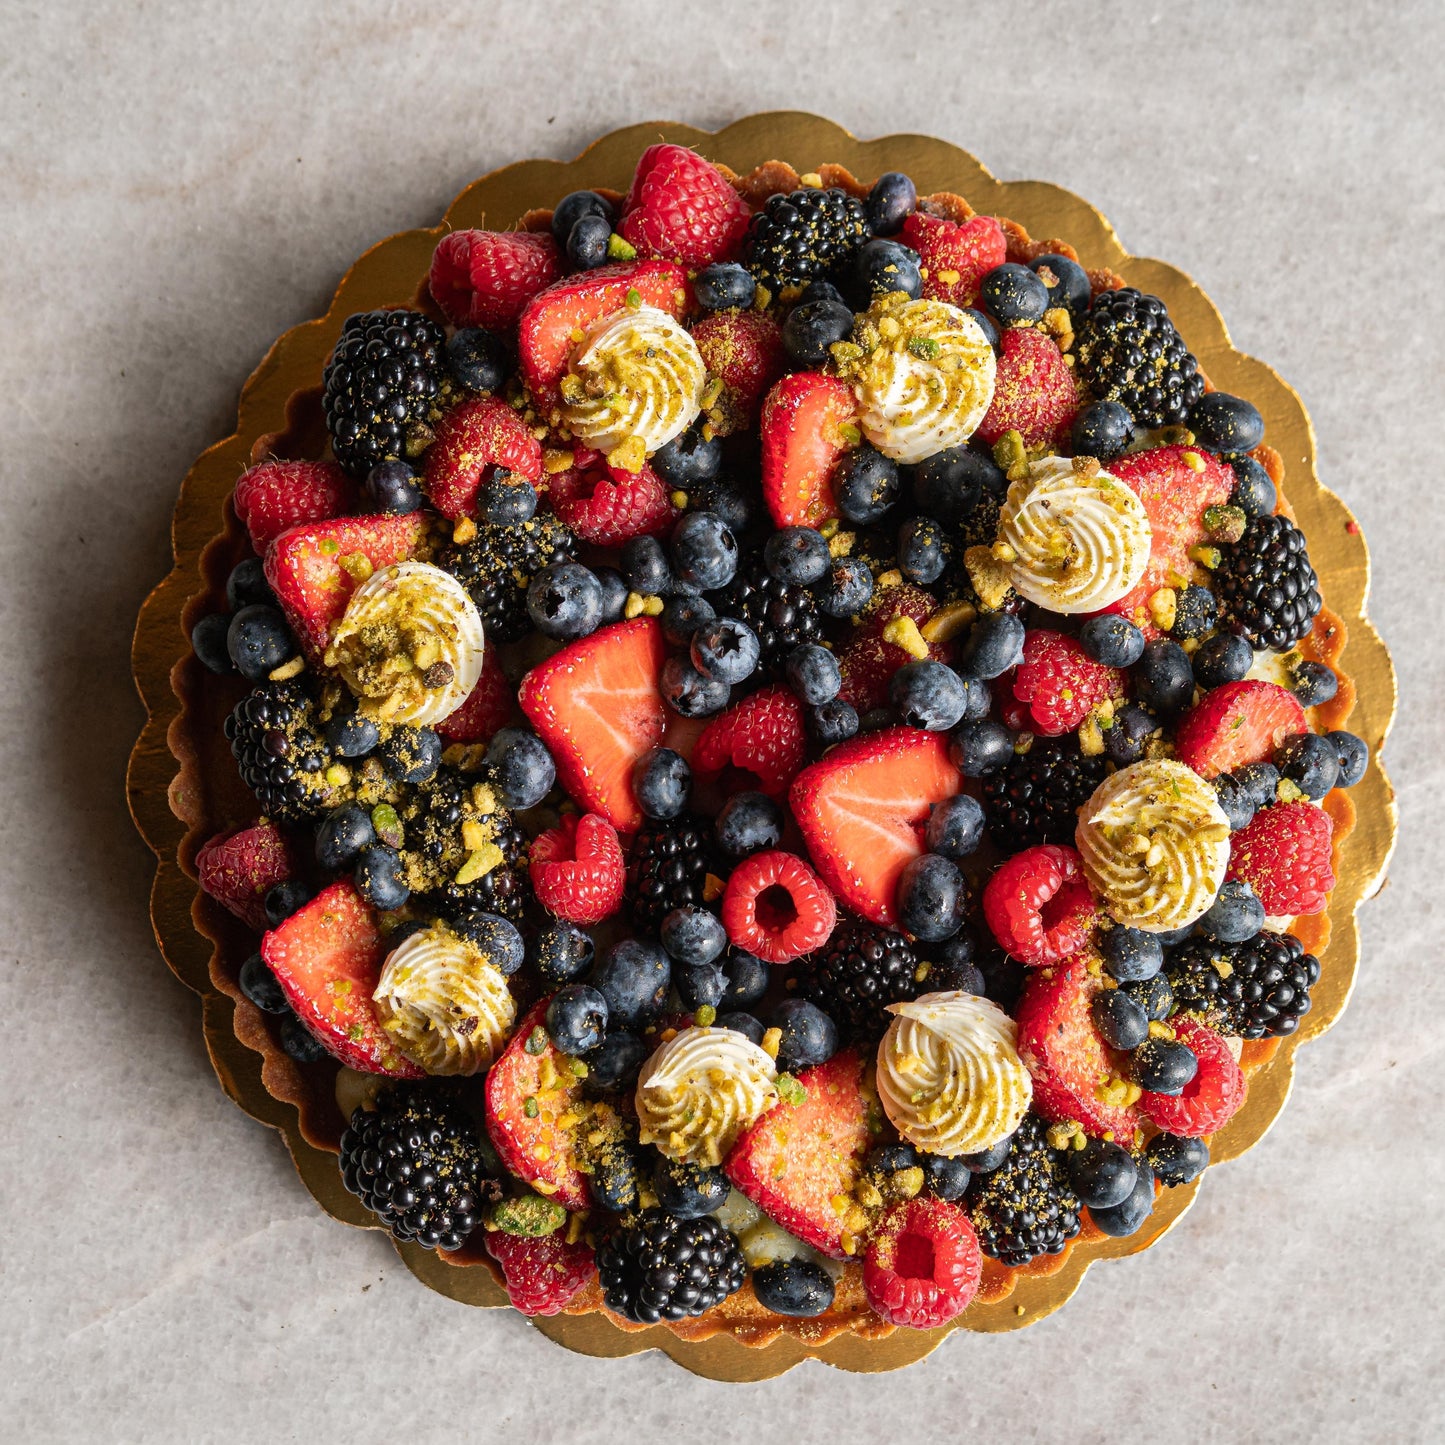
<point>238,869</point>
<point>802,437</point>
<point>1239,723</point>
<point>474,440</point>
<point>1211,1098</point>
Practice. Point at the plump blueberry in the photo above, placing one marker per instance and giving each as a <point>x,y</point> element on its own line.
<point>797,555</point>
<point>994,644</point>
<point>1153,995</point>
<point>891,201</point>
<point>1195,612</point>
<point>258,641</point>
<point>614,593</point>
<point>1224,423</point>
<point>662,783</point>
<point>747,977</point>
<point>349,735</point>
<point>798,1288</point>
<point>932,897</point>
<point>392,487</point>
<point>572,207</point>
<point>411,755</point>
<point>1254,490</point>
<point>847,588</point>
<point>882,267</point>
<point>1103,1174</point>
<point>1103,430</point>
<point>298,1042</point>
<point>1126,741</point>
<point>378,877</point>
<point>507,500</point>
<point>1236,801</point>
<point>739,504</point>
<point>615,1183</point>
<point>699,985</point>
<point>981,746</point>
<point>616,1062</point>
<point>645,567</point>
<point>478,359</point>
<point>634,978</point>
<point>587,242</point>
<point>833,722</point>
<point>690,692</point>
<point>1112,640</point>
<point>704,551</point>
<point>813,673</point>
<point>954,966</point>
<point>576,1019</point>
<point>946,1178</point>
<point>1222,658</point>
<point>1120,1021</point>
<point>1234,916</point>
<point>1262,780</point>
<point>747,823</point>
<point>978,698</point>
<point>1127,1217</point>
<point>987,1160</point>
<point>922,550</point>
<point>688,1191</point>
<point>1354,757</point>
<point>820,290</point>
<point>1173,937</point>
<point>1014,295</point>
<point>209,643</point>
<point>1163,1066</point>
<point>810,1037</point>
<point>522,769</point>
<point>1175,1159</point>
<point>682,615</point>
<point>1069,286</point>
<point>986,324</point>
<point>693,935</point>
<point>955,827</point>
<point>814,326</point>
<point>561,952</point>
<point>688,460</point>
<point>1130,954</point>
<point>890,1158</point>
<point>1310,762</point>
<point>928,694</point>
<point>1314,684</point>
<point>948,484</point>
<point>565,601</point>
<point>259,985</point>
<point>1163,678</point>
<point>341,835</point>
<point>865,485</point>
<point>742,1023</point>
<point>247,585</point>
<point>725,286</point>
<point>725,650</point>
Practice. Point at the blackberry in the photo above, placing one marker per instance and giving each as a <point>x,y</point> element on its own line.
<point>783,614</point>
<point>281,754</point>
<point>667,868</point>
<point>1256,989</point>
<point>857,974</point>
<point>1268,592</point>
<point>383,387</point>
<point>1036,796</point>
<point>498,564</point>
<point>1026,1207</point>
<point>1130,352</point>
<point>807,234</point>
<point>417,1164</point>
<point>664,1268</point>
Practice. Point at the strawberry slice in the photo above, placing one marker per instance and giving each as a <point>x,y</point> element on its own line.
<point>956,255</point>
<point>1239,723</point>
<point>861,810</point>
<point>802,441</point>
<point>472,440</point>
<point>533,1146</point>
<point>314,569</point>
<point>794,1161</point>
<point>327,957</point>
<point>1210,1099</point>
<point>597,706</point>
<point>237,869</point>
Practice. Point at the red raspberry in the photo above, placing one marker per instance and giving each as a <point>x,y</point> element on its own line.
<point>745,350</point>
<point>1039,904</point>
<point>577,869</point>
<point>473,440</point>
<point>488,706</point>
<point>485,278</point>
<point>1284,855</point>
<point>1034,393</point>
<point>1061,684</point>
<point>273,496</point>
<point>923,1264</point>
<point>760,743</point>
<point>681,208</point>
<point>776,907</point>
<point>543,1276</point>
<point>606,505</point>
<point>237,869</point>
<point>957,254</point>
<point>867,662</point>
<point>1209,1100</point>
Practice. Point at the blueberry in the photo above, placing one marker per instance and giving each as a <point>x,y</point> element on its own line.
<point>691,693</point>
<point>981,746</point>
<point>693,935</point>
<point>478,359</point>
<point>1130,954</point>
<point>865,484</point>
<point>929,695</point>
<point>704,551</point>
<point>1112,641</point>
<point>725,286</point>
<point>747,823</point>
<point>1235,800</point>
<point>587,242</point>
<point>1163,1066</point>
<point>1224,423</point>
<point>922,550</point>
<point>1153,995</point>
<point>616,1061</point>
<point>1310,762</point>
<point>682,615</point>
<point>1103,1174</point>
<point>1354,757</point>
<point>561,952</point>
<point>1222,658</point>
<point>954,968</point>
<point>258,641</point>
<point>341,835</point>
<point>1173,937</point>
<point>987,1160</point>
<point>738,504</point>
<point>1014,295</point>
<point>932,898</point>
<point>813,674</point>
<point>1126,741</point>
<point>883,267</point>
<point>1163,678</point>
<point>614,594</point>
<point>1262,781</point>
<point>1254,489</point>
<point>507,500</point>
<point>572,207</point>
<point>379,879</point>
<point>1127,1217</point>
<point>1195,612</point>
<point>565,601</point>
<point>994,644</point>
<point>699,985</point>
<point>725,650</point>
<point>495,937</point>
<point>411,755</point>
<point>351,735</point>
<point>616,1179</point>
<point>820,290</point>
<point>688,1191</point>
<point>833,722</point>
<point>1175,1159</point>
<point>947,1179</point>
<point>247,585</point>
<point>948,484</point>
<point>798,1288</point>
<point>813,327</point>
<point>1103,431</point>
<point>645,567</point>
<point>985,324</point>
<point>576,1019</point>
<point>1069,287</point>
<point>259,985</point>
<point>688,460</point>
<point>848,587</point>
<point>1119,1019</point>
<point>392,487</point>
<point>891,201</point>
<point>522,769</point>
<point>797,555</point>
<point>208,642</point>
<point>955,827</point>
<point>662,783</point>
<point>634,978</point>
<point>810,1037</point>
<point>747,977</point>
<point>1234,916</point>
<point>299,1043</point>
<point>1314,684</point>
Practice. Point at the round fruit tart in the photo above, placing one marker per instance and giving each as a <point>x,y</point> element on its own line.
<point>795,754</point>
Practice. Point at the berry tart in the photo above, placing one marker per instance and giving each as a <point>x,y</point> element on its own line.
<point>788,755</point>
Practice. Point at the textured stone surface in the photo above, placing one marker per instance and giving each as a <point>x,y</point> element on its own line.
<point>182,182</point>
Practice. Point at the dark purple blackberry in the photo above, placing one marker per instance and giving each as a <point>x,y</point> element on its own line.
<point>1036,796</point>
<point>383,387</point>
<point>1256,989</point>
<point>799,237</point>
<point>857,974</point>
<point>498,564</point>
<point>667,868</point>
<point>1268,592</point>
<point>664,1268</point>
<point>1026,1207</point>
<point>1129,351</point>
<point>783,614</point>
<point>280,753</point>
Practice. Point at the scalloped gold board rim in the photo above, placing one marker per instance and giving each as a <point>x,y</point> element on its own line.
<point>388,274</point>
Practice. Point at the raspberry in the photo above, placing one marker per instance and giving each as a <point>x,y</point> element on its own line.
<point>488,706</point>
<point>273,496</point>
<point>1038,904</point>
<point>776,907</point>
<point>923,1264</point>
<point>758,744</point>
<point>472,441</point>
<point>237,869</point>
<point>542,1276</point>
<point>1061,684</point>
<point>1034,393</point>
<point>1284,855</point>
<point>1209,1100</point>
<point>957,255</point>
<point>485,278</point>
<point>868,662</point>
<point>606,505</point>
<point>745,350</point>
<point>681,208</point>
<point>577,869</point>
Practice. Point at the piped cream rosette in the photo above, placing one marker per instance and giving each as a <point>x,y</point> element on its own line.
<point>923,376</point>
<point>637,379</point>
<point>1155,845</point>
<point>409,644</point>
<point>949,1074</point>
<point>1080,540</point>
<point>443,1003</point>
<point>700,1090</point>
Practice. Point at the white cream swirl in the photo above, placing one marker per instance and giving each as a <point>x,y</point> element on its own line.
<point>949,1074</point>
<point>1080,541</point>
<point>638,375</point>
<point>409,644</point>
<point>924,378</point>
<point>1155,844</point>
<point>444,1005</point>
<point>700,1090</point>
